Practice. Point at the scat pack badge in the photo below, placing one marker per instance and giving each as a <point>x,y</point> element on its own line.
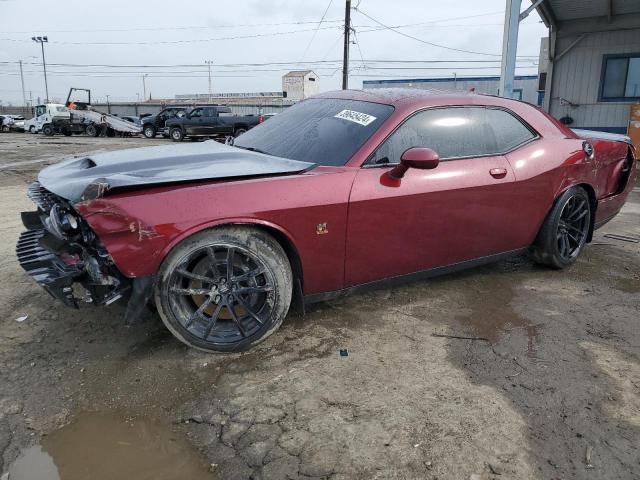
<point>322,229</point>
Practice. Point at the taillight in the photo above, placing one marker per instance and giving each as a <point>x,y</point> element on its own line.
<point>261,119</point>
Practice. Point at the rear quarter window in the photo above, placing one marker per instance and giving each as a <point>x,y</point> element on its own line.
<point>509,131</point>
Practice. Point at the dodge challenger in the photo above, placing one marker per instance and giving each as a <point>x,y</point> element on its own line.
<point>343,191</point>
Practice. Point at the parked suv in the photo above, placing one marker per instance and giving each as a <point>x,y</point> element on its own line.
<point>210,121</point>
<point>154,124</point>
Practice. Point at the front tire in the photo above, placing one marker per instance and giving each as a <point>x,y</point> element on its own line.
<point>176,135</point>
<point>149,131</point>
<point>239,131</point>
<point>224,289</point>
<point>564,231</point>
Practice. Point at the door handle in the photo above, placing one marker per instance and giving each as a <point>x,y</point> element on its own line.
<point>498,172</point>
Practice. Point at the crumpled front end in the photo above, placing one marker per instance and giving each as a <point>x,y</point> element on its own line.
<point>60,252</point>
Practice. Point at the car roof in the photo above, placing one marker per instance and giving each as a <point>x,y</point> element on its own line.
<point>418,97</point>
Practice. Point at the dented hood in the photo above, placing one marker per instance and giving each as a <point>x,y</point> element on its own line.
<point>140,167</point>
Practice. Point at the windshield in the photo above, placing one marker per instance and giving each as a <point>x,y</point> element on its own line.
<point>323,131</point>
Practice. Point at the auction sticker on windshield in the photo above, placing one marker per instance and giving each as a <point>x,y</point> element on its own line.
<point>356,117</point>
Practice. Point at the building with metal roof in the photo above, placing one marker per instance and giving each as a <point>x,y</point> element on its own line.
<point>525,86</point>
<point>590,63</point>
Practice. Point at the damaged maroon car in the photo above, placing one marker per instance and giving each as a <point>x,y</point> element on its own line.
<point>341,192</point>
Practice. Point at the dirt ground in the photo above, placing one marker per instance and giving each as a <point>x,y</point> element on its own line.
<point>547,387</point>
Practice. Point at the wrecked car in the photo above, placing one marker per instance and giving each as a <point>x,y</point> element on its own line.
<point>341,192</point>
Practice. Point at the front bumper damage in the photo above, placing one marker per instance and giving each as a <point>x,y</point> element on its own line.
<point>46,268</point>
<point>61,263</point>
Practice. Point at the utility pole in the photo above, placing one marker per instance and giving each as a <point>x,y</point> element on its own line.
<point>108,105</point>
<point>24,96</point>
<point>42,41</point>
<point>144,88</point>
<point>345,56</point>
<point>209,63</point>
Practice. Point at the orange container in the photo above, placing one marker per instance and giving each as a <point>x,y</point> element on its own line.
<point>634,125</point>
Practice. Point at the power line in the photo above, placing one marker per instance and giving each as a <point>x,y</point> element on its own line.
<point>393,29</point>
<point>180,42</point>
<point>240,25</point>
<point>316,30</point>
<point>355,37</point>
<point>186,27</point>
<point>260,64</point>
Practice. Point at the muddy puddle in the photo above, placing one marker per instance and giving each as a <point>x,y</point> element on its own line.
<point>110,446</point>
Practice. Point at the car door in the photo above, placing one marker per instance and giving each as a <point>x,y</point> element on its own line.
<point>456,212</point>
<point>226,121</point>
<point>210,121</point>
<point>193,122</point>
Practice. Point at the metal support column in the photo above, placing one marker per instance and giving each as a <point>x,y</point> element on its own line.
<point>509,48</point>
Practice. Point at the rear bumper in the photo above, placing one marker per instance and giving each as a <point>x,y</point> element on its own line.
<point>46,268</point>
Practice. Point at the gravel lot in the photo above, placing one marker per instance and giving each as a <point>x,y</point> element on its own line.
<point>547,387</point>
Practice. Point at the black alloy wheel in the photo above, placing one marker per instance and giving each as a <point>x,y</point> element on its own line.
<point>573,227</point>
<point>224,290</point>
<point>565,230</point>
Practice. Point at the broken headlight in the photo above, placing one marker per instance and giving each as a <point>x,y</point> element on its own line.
<point>61,223</point>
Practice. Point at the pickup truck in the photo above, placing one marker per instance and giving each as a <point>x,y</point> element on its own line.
<point>210,121</point>
<point>154,124</point>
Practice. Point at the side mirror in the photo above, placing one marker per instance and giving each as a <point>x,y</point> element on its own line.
<point>416,157</point>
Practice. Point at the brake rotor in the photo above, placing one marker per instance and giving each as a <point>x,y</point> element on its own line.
<point>203,268</point>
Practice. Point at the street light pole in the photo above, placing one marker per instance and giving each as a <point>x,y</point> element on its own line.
<point>209,63</point>
<point>42,41</point>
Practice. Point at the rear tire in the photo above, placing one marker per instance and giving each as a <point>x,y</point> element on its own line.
<point>48,130</point>
<point>564,231</point>
<point>92,130</point>
<point>176,135</point>
<point>216,308</point>
<point>149,131</point>
<point>239,131</point>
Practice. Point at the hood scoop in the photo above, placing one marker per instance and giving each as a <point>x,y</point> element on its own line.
<point>152,166</point>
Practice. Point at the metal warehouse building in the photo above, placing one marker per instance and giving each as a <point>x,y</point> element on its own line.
<point>590,65</point>
<point>525,86</point>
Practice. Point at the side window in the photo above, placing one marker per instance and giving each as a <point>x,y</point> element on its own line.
<point>455,132</point>
<point>209,112</point>
<point>509,131</point>
<point>196,113</point>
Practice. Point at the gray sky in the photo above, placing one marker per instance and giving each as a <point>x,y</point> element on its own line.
<point>132,33</point>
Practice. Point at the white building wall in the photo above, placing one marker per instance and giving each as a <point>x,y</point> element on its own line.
<point>576,77</point>
<point>299,87</point>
